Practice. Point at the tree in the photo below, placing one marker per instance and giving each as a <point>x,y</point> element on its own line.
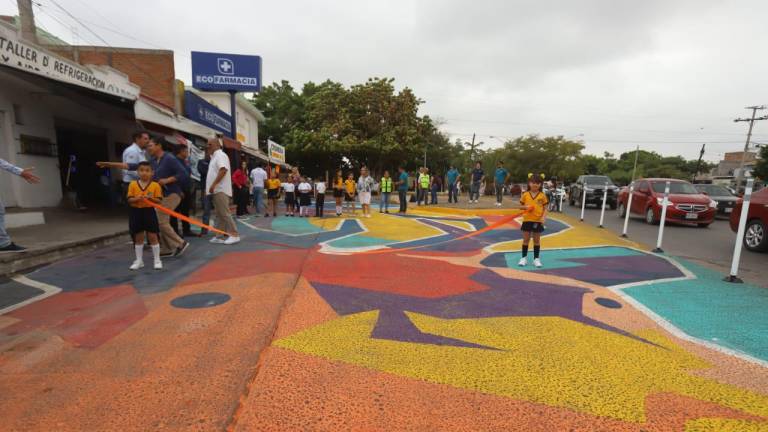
<point>761,167</point>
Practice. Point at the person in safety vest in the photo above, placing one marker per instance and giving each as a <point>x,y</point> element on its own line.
<point>424,182</point>
<point>385,187</point>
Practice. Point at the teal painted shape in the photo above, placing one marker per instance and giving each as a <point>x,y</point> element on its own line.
<point>560,258</point>
<point>731,315</point>
<point>359,241</point>
<point>294,225</point>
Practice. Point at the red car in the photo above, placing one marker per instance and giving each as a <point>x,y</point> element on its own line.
<point>755,238</point>
<point>686,204</point>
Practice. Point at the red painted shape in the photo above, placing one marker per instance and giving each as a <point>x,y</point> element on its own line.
<point>86,318</point>
<point>392,273</point>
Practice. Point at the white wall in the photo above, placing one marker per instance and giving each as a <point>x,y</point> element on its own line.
<point>40,109</point>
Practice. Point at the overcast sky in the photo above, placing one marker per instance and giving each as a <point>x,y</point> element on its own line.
<point>668,75</point>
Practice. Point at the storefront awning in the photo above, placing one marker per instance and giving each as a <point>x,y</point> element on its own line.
<point>147,110</point>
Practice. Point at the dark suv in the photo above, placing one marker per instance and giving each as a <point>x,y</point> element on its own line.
<point>593,186</point>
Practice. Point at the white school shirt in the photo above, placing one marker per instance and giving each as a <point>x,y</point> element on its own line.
<point>289,187</point>
<point>320,187</point>
<point>305,187</point>
<point>258,176</point>
<point>219,160</point>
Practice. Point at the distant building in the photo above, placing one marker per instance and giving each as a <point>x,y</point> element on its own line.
<point>731,162</point>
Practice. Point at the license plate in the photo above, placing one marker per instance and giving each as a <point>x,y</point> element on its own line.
<point>728,210</point>
<point>691,216</point>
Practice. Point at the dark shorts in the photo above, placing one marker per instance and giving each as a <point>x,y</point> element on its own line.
<point>305,199</point>
<point>290,198</point>
<point>534,227</point>
<point>348,197</point>
<point>272,193</point>
<point>143,219</point>
<point>338,193</point>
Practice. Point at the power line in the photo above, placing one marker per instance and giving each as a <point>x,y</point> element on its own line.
<point>751,121</point>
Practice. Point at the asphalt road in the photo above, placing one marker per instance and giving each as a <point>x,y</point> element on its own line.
<point>712,246</point>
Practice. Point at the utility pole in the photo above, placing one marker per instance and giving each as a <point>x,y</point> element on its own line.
<point>749,137</point>
<point>634,170</point>
<point>698,164</point>
<point>472,147</point>
<point>27,20</point>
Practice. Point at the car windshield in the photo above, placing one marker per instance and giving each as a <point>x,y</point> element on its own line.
<point>675,188</point>
<point>714,190</point>
<point>597,180</point>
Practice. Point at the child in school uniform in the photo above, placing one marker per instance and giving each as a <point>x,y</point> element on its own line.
<point>350,189</point>
<point>535,203</point>
<point>305,197</point>
<point>273,193</point>
<point>319,198</point>
<point>289,188</point>
<point>143,218</point>
<point>338,191</point>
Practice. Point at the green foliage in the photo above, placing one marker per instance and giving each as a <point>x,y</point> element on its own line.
<point>328,126</point>
<point>761,168</point>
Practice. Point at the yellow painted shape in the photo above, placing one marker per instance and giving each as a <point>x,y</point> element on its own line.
<point>548,360</point>
<point>389,227</point>
<point>579,235</point>
<point>724,425</point>
<point>466,226</point>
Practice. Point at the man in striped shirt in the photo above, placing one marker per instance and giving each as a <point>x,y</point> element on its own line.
<point>6,245</point>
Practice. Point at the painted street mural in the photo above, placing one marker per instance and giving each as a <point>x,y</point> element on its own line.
<point>417,322</point>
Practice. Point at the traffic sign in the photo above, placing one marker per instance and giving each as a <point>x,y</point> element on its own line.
<point>226,72</point>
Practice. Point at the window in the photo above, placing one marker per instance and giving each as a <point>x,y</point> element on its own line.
<point>17,114</point>
<point>38,146</point>
<point>643,187</point>
<point>675,188</point>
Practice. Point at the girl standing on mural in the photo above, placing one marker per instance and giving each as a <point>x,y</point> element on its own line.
<point>338,191</point>
<point>535,202</point>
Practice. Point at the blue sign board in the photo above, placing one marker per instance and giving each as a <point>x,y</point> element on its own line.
<point>199,110</point>
<point>226,72</point>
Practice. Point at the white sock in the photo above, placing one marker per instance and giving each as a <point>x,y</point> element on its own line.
<point>139,252</point>
<point>156,252</point>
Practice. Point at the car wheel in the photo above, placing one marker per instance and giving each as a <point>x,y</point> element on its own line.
<point>650,217</point>
<point>622,210</point>
<point>754,236</point>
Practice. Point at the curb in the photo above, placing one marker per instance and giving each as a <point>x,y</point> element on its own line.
<point>16,263</point>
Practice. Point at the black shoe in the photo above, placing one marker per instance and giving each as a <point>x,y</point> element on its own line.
<point>181,249</point>
<point>266,215</point>
<point>167,254</point>
<point>13,247</point>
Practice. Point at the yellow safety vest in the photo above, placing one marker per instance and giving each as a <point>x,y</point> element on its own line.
<point>386,184</point>
<point>424,181</point>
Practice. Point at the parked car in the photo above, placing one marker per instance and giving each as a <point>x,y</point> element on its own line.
<point>686,204</point>
<point>593,186</point>
<point>755,238</point>
<point>724,198</point>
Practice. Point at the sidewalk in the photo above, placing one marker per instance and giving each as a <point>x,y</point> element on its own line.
<point>65,233</point>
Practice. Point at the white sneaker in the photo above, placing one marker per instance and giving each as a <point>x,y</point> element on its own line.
<point>231,240</point>
<point>218,240</point>
<point>537,262</point>
<point>158,265</point>
<point>523,262</point>
<point>367,215</point>
<point>136,265</point>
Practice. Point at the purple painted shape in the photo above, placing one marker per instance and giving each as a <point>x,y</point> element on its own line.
<point>608,271</point>
<point>504,298</point>
<point>395,325</point>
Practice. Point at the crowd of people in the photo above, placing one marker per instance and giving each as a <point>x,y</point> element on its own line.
<point>157,184</point>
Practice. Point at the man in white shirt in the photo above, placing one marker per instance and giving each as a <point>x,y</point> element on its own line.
<point>319,198</point>
<point>258,177</point>
<point>219,182</point>
<point>133,154</point>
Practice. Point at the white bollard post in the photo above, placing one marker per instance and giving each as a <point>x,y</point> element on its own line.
<point>627,209</point>
<point>560,209</point>
<point>583,200</point>
<point>740,234</point>
<point>605,198</point>
<point>663,220</point>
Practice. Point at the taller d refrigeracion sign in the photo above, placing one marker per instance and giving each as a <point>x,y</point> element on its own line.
<point>226,72</point>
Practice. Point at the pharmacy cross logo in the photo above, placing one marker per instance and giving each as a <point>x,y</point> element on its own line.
<point>226,66</point>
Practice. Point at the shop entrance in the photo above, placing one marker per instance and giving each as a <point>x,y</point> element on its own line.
<point>83,183</point>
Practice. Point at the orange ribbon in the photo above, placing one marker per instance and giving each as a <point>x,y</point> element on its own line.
<point>184,218</point>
